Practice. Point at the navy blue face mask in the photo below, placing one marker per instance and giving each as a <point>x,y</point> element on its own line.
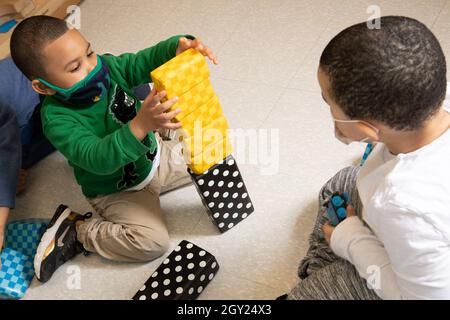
<point>93,88</point>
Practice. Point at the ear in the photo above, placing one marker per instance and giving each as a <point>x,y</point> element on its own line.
<point>41,88</point>
<point>369,131</point>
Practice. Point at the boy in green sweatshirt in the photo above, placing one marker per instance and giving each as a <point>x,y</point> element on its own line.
<point>92,117</point>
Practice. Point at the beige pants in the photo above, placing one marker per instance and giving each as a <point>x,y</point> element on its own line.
<point>133,227</point>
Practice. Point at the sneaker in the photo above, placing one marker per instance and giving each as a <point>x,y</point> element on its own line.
<point>282,297</point>
<point>59,243</point>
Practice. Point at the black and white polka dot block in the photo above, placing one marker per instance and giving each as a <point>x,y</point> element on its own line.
<point>224,194</point>
<point>183,275</point>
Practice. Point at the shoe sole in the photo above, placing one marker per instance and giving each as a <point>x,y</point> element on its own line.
<point>46,240</point>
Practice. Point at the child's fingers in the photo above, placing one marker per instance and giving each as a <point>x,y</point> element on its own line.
<point>213,58</point>
<point>200,47</point>
<point>157,97</point>
<point>196,42</point>
<point>153,98</point>
<point>185,43</point>
<point>152,93</point>
<point>327,230</point>
<point>163,107</point>
<point>170,115</point>
<point>156,106</point>
<point>208,52</point>
<point>172,125</point>
<point>327,227</point>
<point>350,211</point>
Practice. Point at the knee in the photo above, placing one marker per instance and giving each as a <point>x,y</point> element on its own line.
<point>149,243</point>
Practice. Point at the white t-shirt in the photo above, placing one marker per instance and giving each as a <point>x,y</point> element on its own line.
<point>406,199</point>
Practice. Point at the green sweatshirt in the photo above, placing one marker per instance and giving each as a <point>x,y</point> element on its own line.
<point>97,140</point>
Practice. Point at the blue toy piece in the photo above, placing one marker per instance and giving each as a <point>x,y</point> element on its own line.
<point>15,275</point>
<point>366,154</point>
<point>336,207</point>
<point>17,271</point>
<point>8,25</point>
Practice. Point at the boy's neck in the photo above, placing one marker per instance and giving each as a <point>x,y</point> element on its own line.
<point>408,141</point>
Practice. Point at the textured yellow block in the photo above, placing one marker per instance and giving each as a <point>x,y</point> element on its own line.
<point>194,98</point>
<point>206,114</point>
<point>205,134</point>
<point>205,129</point>
<point>210,156</point>
<point>180,74</point>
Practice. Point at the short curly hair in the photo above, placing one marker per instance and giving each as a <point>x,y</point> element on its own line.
<point>28,40</point>
<point>395,74</point>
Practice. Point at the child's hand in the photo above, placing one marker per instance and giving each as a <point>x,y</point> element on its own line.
<point>22,181</point>
<point>2,238</point>
<point>328,228</point>
<point>197,44</point>
<point>4,212</point>
<point>153,116</point>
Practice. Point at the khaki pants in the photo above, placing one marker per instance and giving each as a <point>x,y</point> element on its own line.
<point>133,227</point>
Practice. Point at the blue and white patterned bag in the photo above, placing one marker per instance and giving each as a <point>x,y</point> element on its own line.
<point>21,240</point>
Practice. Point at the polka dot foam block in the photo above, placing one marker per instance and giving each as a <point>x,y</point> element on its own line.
<point>224,194</point>
<point>183,275</point>
<point>21,240</point>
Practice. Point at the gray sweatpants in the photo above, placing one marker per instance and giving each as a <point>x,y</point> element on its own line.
<point>323,274</point>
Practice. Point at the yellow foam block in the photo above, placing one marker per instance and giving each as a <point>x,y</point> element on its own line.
<point>205,114</point>
<point>181,73</point>
<point>203,136</point>
<point>210,156</point>
<point>205,129</point>
<point>194,98</point>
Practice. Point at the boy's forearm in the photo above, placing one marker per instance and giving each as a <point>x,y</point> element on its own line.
<point>354,242</point>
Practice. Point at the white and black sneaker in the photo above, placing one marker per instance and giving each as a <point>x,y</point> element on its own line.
<point>59,243</point>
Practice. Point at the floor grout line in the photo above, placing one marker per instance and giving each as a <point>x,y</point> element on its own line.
<point>310,50</point>
<point>282,92</point>
<point>440,13</point>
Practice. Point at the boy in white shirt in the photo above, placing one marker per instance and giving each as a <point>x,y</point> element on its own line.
<point>387,86</point>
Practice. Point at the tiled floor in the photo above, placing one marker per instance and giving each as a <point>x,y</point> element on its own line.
<point>268,51</point>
